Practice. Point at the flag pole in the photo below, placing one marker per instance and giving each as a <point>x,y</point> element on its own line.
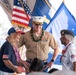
<point>50,6</point>
<point>24,10</point>
<point>6,8</point>
<point>63,1</point>
<point>48,3</point>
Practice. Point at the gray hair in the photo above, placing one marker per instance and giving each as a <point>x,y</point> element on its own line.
<point>69,37</point>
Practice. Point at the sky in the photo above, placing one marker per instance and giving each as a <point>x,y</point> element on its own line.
<point>4,22</point>
<point>70,4</point>
<point>4,26</point>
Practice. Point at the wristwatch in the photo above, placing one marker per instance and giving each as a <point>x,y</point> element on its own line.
<point>52,60</point>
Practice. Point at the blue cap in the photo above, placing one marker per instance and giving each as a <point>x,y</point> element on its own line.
<point>11,30</point>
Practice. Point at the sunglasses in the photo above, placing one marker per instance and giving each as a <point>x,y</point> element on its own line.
<point>38,24</point>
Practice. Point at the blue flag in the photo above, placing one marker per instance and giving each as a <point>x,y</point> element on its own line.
<point>63,19</point>
<point>42,9</point>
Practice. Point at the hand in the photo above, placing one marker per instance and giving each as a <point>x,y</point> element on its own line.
<point>26,66</point>
<point>49,65</point>
<point>17,70</point>
<point>45,68</point>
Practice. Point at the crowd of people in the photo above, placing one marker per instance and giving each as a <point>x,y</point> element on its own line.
<point>37,42</point>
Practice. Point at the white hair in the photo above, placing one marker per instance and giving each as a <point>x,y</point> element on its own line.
<point>69,37</point>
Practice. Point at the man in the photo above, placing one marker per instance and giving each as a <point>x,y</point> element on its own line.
<point>38,41</point>
<point>68,58</point>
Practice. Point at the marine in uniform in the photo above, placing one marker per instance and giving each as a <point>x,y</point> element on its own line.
<point>38,41</point>
<point>68,57</point>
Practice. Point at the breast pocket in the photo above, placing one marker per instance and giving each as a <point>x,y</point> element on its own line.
<point>44,45</point>
<point>44,42</point>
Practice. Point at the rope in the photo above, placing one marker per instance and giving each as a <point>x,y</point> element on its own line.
<point>24,10</point>
<point>48,3</point>
<point>9,11</point>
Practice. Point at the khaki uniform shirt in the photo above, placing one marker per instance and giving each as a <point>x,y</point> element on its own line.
<point>38,49</point>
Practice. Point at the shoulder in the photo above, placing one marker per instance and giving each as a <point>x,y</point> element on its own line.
<point>72,48</point>
<point>24,35</point>
<point>27,33</point>
<point>6,46</point>
<point>6,43</point>
<point>48,34</point>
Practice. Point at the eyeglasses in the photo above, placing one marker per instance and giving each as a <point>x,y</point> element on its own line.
<point>38,24</point>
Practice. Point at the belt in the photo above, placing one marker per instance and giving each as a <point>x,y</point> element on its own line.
<point>30,60</point>
<point>44,60</point>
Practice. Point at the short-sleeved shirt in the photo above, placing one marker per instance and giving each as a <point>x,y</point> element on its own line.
<point>7,53</point>
<point>69,57</point>
<point>38,49</point>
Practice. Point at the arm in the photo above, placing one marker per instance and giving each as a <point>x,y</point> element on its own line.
<point>9,64</point>
<point>49,65</point>
<point>54,45</point>
<point>55,54</point>
<point>23,64</point>
<point>74,68</point>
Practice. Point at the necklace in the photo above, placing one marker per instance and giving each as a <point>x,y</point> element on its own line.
<point>37,39</point>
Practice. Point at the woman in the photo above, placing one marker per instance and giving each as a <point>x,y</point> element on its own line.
<point>9,55</point>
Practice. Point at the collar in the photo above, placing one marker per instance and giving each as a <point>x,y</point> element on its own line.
<point>68,45</point>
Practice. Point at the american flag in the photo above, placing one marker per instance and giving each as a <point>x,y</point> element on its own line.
<point>21,13</point>
<point>5,56</point>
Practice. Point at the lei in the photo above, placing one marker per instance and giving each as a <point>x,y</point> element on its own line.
<point>37,39</point>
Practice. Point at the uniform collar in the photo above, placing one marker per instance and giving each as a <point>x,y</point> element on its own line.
<point>68,44</point>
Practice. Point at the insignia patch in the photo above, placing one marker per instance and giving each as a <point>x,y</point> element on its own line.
<point>5,56</point>
<point>73,56</point>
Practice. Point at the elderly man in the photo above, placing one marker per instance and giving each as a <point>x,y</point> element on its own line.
<point>38,41</point>
<point>68,58</point>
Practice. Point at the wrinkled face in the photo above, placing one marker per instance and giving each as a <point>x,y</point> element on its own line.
<point>63,40</point>
<point>37,27</point>
<point>15,36</point>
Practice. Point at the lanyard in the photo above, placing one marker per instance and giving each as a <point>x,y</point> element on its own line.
<point>63,51</point>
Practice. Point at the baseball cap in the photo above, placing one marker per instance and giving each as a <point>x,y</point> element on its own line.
<point>11,30</point>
